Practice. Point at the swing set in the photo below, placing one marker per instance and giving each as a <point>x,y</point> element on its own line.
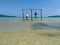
<point>31,14</point>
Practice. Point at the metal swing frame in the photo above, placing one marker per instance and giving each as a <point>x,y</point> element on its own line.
<point>31,13</point>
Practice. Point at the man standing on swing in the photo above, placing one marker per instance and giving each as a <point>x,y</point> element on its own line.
<point>35,15</point>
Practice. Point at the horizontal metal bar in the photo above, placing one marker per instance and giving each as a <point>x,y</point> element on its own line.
<point>31,9</point>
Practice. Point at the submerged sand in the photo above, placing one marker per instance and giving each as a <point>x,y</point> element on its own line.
<point>30,38</point>
<point>17,25</point>
<point>18,32</point>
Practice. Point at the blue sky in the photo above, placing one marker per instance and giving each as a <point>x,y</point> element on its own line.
<point>13,7</point>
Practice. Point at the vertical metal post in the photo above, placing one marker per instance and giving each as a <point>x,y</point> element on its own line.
<point>31,14</point>
<point>23,14</point>
<point>41,14</point>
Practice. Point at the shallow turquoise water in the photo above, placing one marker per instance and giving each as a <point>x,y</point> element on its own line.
<point>17,24</point>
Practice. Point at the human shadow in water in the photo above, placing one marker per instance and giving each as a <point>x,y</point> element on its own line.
<point>43,25</point>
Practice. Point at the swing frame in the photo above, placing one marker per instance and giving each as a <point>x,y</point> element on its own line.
<point>31,13</point>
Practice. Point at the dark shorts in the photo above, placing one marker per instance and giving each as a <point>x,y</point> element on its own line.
<point>26,17</point>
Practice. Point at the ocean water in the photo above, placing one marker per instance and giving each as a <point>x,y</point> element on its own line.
<point>15,31</point>
<point>8,19</point>
<point>44,20</point>
<point>18,25</point>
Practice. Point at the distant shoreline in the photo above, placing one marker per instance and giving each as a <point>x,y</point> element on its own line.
<point>54,16</point>
<point>6,16</point>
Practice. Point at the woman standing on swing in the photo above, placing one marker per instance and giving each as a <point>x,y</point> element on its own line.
<point>26,16</point>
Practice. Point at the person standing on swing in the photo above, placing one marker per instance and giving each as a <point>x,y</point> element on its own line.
<point>35,15</point>
<point>26,16</point>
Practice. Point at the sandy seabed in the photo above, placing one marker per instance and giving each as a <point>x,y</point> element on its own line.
<point>17,32</point>
<point>29,38</point>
